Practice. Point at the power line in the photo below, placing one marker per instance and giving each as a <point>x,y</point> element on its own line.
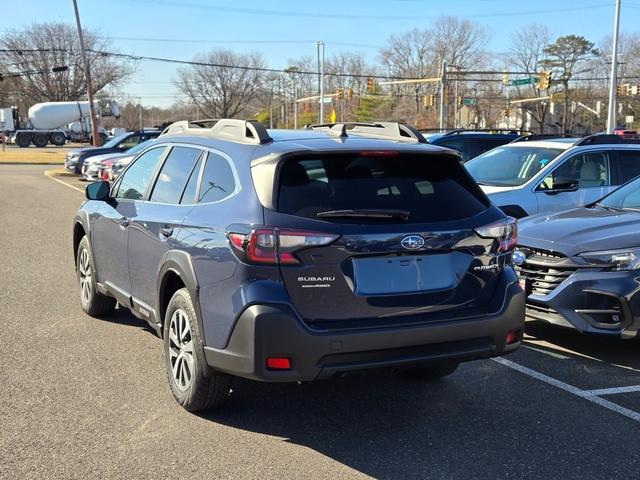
<point>351,16</point>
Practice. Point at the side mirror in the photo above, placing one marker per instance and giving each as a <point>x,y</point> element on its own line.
<point>563,184</point>
<point>97,191</point>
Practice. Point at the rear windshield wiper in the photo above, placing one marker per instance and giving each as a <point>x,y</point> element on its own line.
<point>367,213</point>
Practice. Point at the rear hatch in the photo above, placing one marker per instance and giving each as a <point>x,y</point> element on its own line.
<point>377,237</point>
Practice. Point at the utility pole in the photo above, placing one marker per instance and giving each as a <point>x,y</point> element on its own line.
<point>140,111</point>
<point>321,80</point>
<point>92,109</point>
<point>611,118</point>
<point>443,87</point>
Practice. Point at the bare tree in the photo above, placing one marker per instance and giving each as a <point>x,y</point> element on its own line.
<point>43,46</point>
<point>568,58</point>
<point>527,54</point>
<point>420,53</point>
<point>225,84</point>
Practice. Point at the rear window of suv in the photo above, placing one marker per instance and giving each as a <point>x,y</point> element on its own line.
<point>429,188</point>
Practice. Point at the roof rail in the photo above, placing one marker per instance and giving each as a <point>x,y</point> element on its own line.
<point>243,131</point>
<point>604,138</point>
<point>543,136</point>
<point>387,130</point>
<point>495,130</point>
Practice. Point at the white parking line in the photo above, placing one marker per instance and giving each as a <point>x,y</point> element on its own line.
<point>63,183</point>
<point>614,390</point>
<point>589,395</point>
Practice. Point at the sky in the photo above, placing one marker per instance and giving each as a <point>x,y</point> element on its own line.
<point>286,29</point>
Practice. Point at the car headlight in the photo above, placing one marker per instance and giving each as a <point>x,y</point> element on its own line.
<point>623,259</point>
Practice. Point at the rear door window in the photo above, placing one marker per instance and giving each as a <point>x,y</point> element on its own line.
<point>628,165</point>
<point>173,176</point>
<point>430,188</point>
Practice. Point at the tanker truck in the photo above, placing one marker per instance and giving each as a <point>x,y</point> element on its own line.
<point>55,122</point>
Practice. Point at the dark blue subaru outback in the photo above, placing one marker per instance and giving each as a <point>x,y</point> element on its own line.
<point>299,255</point>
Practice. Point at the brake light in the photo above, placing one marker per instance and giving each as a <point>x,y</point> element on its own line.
<point>504,231</point>
<point>379,153</point>
<point>277,246</point>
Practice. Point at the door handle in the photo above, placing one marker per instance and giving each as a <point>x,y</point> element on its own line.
<point>166,231</point>
<point>123,222</point>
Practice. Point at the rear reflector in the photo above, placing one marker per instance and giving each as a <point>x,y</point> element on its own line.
<point>278,363</point>
<point>513,336</point>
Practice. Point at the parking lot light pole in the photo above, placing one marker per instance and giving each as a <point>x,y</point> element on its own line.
<point>611,118</point>
<point>87,73</point>
<point>321,80</point>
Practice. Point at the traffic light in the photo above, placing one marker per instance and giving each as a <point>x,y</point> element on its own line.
<point>371,85</point>
<point>340,94</point>
<point>459,100</point>
<point>350,93</point>
<point>544,80</point>
<point>505,79</point>
<point>619,89</point>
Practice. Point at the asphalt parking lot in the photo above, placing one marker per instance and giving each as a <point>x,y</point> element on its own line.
<point>86,398</point>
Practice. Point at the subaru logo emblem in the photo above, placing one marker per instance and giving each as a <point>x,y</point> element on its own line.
<point>519,257</point>
<point>412,242</point>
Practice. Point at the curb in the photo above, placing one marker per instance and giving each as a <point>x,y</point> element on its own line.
<point>29,163</point>
<point>60,172</point>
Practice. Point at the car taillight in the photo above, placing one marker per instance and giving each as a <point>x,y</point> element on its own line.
<point>504,231</point>
<point>277,246</point>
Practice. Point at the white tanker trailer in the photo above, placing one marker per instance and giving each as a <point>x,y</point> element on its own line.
<point>49,122</point>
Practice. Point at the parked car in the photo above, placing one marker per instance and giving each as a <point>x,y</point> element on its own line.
<point>75,158</point>
<point>289,256</point>
<point>532,176</point>
<point>93,169</point>
<point>471,143</point>
<point>580,267</point>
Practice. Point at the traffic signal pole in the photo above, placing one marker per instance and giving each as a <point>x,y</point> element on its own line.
<point>611,118</point>
<point>443,86</point>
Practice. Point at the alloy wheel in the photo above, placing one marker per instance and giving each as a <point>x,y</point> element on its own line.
<point>84,271</point>
<point>181,350</point>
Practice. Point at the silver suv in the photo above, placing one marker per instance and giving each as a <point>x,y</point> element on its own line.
<point>530,175</point>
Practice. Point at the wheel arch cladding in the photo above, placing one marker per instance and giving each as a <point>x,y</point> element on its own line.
<point>78,232</point>
<point>176,272</point>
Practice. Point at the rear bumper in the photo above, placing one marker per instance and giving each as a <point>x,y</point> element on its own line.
<point>592,301</point>
<point>264,331</point>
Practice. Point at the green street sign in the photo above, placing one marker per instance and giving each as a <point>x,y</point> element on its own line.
<point>469,101</point>
<point>524,81</point>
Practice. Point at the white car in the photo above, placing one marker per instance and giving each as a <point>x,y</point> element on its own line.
<point>94,167</point>
<point>530,175</point>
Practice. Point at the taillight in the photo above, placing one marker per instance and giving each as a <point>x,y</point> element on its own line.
<point>277,246</point>
<point>504,231</point>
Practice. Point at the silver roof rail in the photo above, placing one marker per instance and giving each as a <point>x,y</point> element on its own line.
<point>243,131</point>
<point>386,130</point>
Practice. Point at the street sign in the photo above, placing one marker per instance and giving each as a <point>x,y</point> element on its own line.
<point>524,81</point>
<point>469,101</point>
<point>326,100</point>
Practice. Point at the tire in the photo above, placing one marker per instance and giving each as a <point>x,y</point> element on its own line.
<point>194,385</point>
<point>40,140</point>
<point>23,140</point>
<point>433,371</point>
<point>57,138</point>
<point>92,302</point>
